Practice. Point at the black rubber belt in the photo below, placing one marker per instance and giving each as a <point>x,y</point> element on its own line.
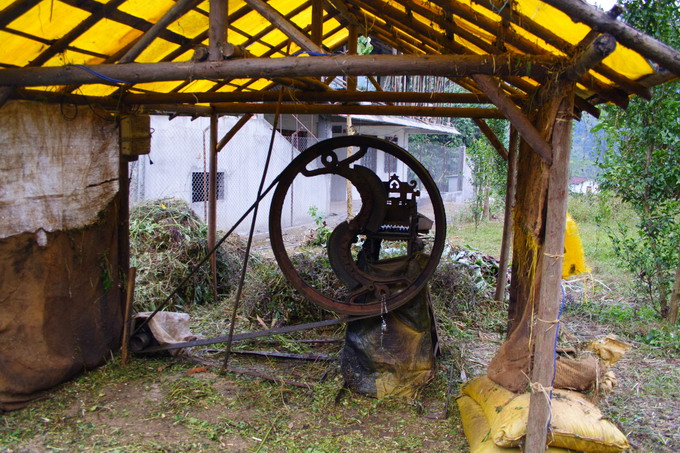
<point>250,335</point>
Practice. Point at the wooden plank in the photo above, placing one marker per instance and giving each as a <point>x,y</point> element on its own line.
<point>437,65</point>
<point>545,323</point>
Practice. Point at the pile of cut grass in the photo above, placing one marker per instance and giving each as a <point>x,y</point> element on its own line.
<point>167,240</point>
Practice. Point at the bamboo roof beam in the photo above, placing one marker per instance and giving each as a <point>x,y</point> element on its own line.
<point>644,44</point>
<point>317,22</point>
<point>592,55</point>
<point>14,10</point>
<point>525,22</point>
<point>607,92</point>
<point>288,28</point>
<point>491,136</point>
<point>437,40</point>
<point>443,65</point>
<point>309,96</point>
<point>336,109</point>
<point>175,12</point>
<point>217,30</point>
<point>516,117</point>
<point>91,6</point>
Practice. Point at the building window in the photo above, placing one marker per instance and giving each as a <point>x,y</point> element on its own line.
<point>390,166</point>
<point>297,138</point>
<point>200,185</point>
<point>370,159</point>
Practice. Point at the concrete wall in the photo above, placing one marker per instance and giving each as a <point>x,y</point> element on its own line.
<point>179,148</point>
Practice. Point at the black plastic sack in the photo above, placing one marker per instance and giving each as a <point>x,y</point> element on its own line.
<point>393,354</point>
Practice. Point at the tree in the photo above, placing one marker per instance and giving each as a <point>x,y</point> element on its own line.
<point>641,165</point>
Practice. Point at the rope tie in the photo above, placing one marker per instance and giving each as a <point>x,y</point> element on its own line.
<point>550,255</point>
<point>537,387</point>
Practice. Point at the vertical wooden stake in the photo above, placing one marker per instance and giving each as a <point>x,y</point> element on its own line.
<point>212,203</point>
<point>217,32</point>
<point>129,298</point>
<point>352,41</point>
<point>508,225</point>
<point>545,321</point>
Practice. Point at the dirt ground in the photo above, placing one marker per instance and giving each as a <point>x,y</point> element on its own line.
<point>175,405</point>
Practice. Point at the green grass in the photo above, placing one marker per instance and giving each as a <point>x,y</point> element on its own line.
<point>486,237</point>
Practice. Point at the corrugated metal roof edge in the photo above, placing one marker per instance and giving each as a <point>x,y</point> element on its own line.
<point>406,122</point>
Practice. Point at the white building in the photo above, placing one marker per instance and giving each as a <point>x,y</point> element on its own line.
<point>179,161</point>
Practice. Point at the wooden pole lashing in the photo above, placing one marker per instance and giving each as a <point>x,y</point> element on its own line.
<point>212,203</point>
<point>508,225</point>
<point>546,322</point>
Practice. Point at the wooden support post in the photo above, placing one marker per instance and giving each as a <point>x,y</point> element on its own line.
<point>317,22</point>
<point>288,28</point>
<point>516,117</point>
<point>229,135</point>
<point>123,219</point>
<point>352,41</point>
<point>336,65</point>
<point>129,299</point>
<point>177,10</point>
<point>217,31</point>
<point>212,202</point>
<point>508,225</point>
<point>491,136</point>
<point>546,322</point>
<point>647,46</point>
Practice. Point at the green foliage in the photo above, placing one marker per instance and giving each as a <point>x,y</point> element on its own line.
<point>166,241</point>
<point>319,236</point>
<point>489,172</point>
<point>641,165</point>
<point>668,339</point>
<point>364,46</point>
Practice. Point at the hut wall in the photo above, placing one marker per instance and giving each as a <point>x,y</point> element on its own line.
<point>60,310</point>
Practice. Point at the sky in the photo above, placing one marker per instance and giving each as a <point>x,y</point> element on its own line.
<point>604,4</point>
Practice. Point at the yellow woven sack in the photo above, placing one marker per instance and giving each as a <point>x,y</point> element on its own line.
<point>576,423</point>
<point>574,262</point>
<point>477,429</point>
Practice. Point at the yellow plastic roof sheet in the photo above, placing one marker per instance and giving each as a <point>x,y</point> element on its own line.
<point>30,35</point>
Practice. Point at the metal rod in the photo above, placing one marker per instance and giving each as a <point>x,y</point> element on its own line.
<point>252,335</point>
<point>239,291</point>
